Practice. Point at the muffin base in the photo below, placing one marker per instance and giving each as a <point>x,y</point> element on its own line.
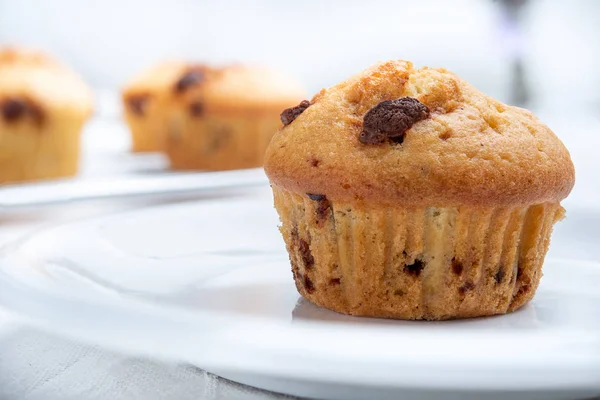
<point>147,134</point>
<point>220,142</point>
<point>31,152</point>
<point>415,263</point>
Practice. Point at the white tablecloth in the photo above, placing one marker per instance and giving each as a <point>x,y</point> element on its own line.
<point>39,366</point>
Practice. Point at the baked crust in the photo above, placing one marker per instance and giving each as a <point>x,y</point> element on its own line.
<point>205,117</point>
<point>472,150</point>
<point>43,107</point>
<point>235,88</point>
<point>45,84</point>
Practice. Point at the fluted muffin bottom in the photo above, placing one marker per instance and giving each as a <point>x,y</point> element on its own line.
<point>415,263</point>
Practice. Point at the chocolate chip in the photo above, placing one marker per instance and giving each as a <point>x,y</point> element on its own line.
<point>137,103</point>
<point>303,248</point>
<point>315,197</point>
<point>457,266</point>
<point>13,109</point>
<point>499,276</point>
<point>323,209</point>
<point>314,162</point>
<point>196,109</point>
<point>415,268</point>
<point>391,119</point>
<point>308,285</point>
<point>335,281</point>
<point>189,79</point>
<point>398,292</point>
<point>307,258</point>
<point>290,114</point>
<point>467,286</point>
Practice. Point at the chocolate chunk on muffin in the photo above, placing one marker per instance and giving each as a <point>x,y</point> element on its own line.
<point>391,119</point>
<point>419,196</point>
<point>43,106</point>
<point>290,114</point>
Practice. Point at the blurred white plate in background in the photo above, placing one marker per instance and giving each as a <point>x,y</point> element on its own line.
<point>209,283</point>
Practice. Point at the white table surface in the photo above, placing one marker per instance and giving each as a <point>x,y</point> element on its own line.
<point>39,366</point>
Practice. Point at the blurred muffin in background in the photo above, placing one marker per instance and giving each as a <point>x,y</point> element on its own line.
<point>224,118</point>
<point>43,106</point>
<point>144,99</point>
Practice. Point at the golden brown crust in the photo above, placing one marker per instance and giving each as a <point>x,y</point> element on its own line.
<point>235,88</point>
<point>472,150</point>
<point>145,100</point>
<point>22,56</point>
<point>157,79</point>
<point>243,89</point>
<point>37,79</point>
<point>206,117</point>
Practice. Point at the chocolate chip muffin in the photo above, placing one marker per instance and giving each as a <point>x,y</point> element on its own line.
<point>145,99</point>
<point>224,118</point>
<point>43,106</point>
<point>406,193</point>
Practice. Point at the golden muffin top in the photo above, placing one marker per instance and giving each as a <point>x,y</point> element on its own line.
<point>202,88</point>
<point>34,86</point>
<point>394,134</point>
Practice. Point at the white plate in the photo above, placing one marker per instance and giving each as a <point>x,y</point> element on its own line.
<point>171,184</point>
<point>209,283</point>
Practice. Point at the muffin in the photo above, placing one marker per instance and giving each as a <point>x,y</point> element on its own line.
<point>43,106</point>
<point>406,193</point>
<point>145,99</point>
<point>224,118</point>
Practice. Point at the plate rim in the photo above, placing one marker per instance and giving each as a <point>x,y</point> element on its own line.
<point>219,331</point>
<point>13,294</point>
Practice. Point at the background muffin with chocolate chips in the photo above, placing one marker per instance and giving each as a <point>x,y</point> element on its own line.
<point>43,106</point>
<point>145,99</point>
<point>406,193</point>
<point>224,118</point>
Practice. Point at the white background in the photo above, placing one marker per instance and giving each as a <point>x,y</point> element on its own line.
<point>320,42</point>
